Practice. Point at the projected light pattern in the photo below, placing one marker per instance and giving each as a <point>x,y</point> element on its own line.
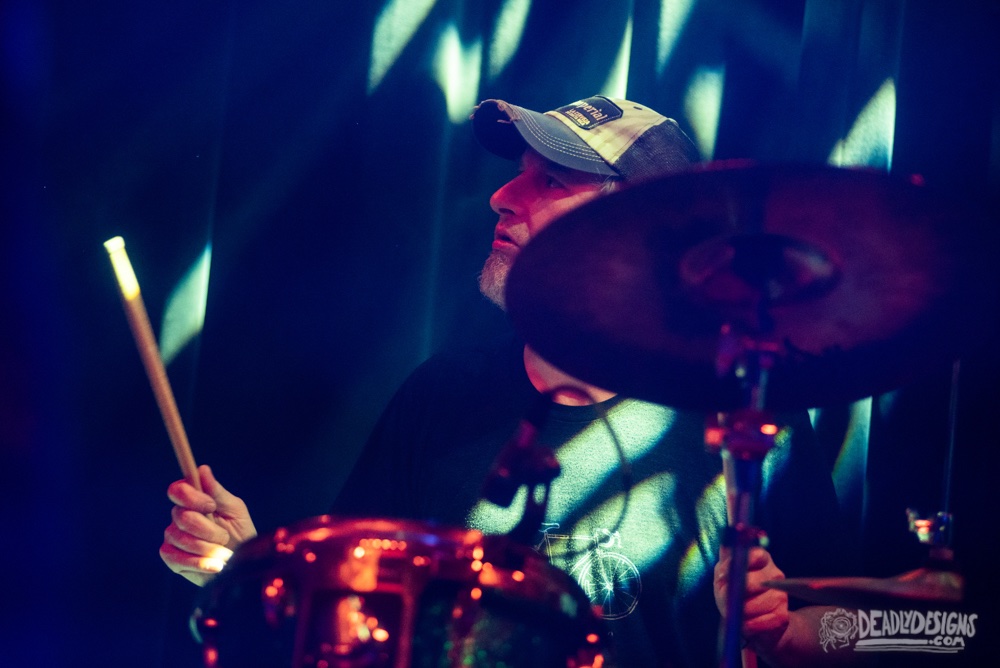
<point>616,84</point>
<point>184,315</point>
<point>395,27</point>
<point>777,457</point>
<point>579,542</point>
<point>702,106</point>
<point>850,468</point>
<point>507,35</point>
<point>702,553</point>
<point>887,402</point>
<point>869,141</point>
<point>609,557</point>
<point>639,426</point>
<point>673,16</point>
<point>644,518</point>
<point>456,68</point>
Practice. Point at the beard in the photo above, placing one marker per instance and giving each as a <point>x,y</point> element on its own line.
<point>493,278</point>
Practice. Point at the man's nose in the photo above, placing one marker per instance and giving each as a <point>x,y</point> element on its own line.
<point>505,199</point>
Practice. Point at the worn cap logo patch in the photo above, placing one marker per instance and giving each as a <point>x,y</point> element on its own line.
<point>591,112</point>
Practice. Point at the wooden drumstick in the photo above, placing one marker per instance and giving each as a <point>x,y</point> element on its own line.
<point>138,320</point>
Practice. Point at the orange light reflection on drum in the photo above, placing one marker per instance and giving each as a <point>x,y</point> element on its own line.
<point>476,593</point>
<point>384,544</point>
<point>273,590</point>
<point>380,635</point>
<point>714,436</point>
<point>592,638</point>
<point>769,429</point>
<point>517,576</point>
<point>316,535</point>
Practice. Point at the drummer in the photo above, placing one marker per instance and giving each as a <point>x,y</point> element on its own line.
<point>434,444</point>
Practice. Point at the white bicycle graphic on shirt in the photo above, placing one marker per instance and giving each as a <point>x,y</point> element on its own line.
<point>609,578</point>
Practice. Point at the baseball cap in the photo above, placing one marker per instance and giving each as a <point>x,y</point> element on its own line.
<point>599,135</point>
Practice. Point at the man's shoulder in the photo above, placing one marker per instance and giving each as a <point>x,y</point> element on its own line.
<point>459,397</point>
<point>496,360</point>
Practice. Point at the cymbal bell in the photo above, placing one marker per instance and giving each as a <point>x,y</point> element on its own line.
<point>920,585</point>
<point>857,279</point>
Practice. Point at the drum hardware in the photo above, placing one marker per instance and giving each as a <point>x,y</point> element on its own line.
<point>744,438</point>
<point>524,462</point>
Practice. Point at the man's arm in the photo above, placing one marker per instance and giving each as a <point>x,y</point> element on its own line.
<point>779,636</point>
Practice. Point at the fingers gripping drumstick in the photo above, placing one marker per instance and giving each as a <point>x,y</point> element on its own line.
<point>138,320</point>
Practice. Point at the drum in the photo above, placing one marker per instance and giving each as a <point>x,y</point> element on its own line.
<point>335,593</point>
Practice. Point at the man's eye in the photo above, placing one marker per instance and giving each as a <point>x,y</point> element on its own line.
<point>553,182</point>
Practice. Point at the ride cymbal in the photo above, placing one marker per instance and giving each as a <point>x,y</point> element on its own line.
<point>857,280</point>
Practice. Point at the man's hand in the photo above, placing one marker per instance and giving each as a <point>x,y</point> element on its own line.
<point>765,611</point>
<point>205,529</point>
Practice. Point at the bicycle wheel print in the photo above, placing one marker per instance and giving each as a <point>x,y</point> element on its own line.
<point>612,582</point>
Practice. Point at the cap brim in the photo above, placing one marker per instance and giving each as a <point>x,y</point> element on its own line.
<point>506,130</point>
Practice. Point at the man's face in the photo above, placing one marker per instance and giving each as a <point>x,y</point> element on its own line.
<point>526,204</point>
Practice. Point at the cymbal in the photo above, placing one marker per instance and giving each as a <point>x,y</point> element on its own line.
<point>858,279</point>
<point>920,585</point>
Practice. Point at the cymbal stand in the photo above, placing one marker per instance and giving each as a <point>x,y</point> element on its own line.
<point>936,532</point>
<point>744,437</point>
<point>523,462</point>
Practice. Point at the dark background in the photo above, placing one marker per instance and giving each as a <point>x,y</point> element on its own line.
<point>347,225</point>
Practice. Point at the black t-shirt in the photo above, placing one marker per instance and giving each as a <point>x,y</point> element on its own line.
<point>649,568</point>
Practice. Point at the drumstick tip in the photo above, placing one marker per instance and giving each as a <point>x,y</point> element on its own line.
<point>113,244</point>
<point>127,281</point>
